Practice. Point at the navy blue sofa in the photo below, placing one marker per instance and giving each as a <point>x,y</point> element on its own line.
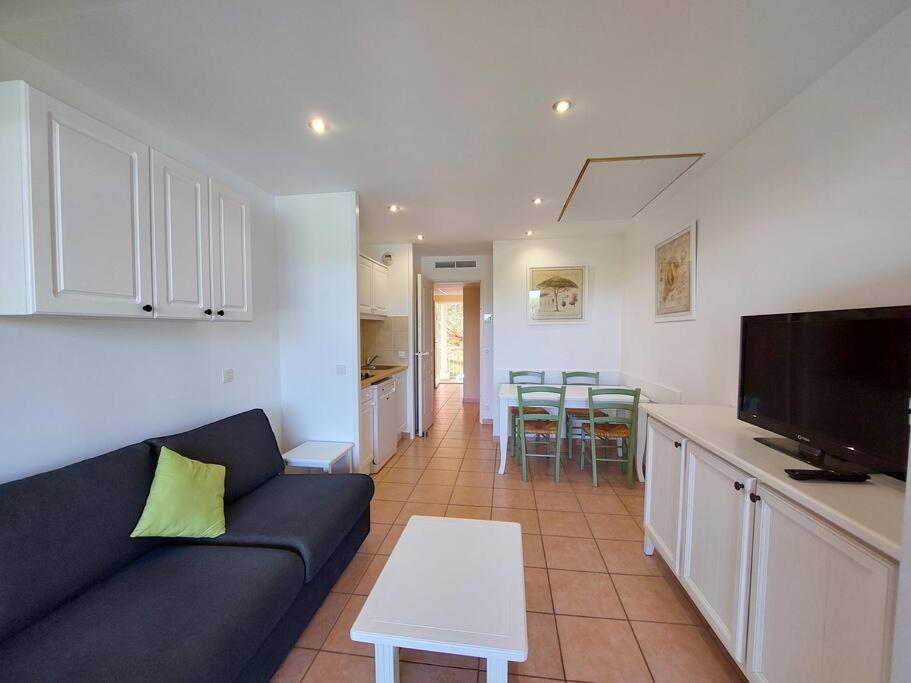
<point>82,601</point>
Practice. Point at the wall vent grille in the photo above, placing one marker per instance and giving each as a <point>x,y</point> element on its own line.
<point>455,264</point>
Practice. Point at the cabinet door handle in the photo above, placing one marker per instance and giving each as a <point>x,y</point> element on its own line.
<point>208,311</point>
<point>754,498</point>
<point>677,444</point>
<point>220,312</point>
<point>147,308</point>
<point>737,486</point>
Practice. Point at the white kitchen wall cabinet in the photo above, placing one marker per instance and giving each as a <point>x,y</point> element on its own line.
<point>75,234</point>
<point>180,240</point>
<point>717,544</point>
<point>665,457</point>
<point>95,223</point>
<point>372,288</point>
<point>232,296</point>
<point>822,604</point>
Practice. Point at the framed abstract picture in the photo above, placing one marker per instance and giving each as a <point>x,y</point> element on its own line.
<point>675,276</point>
<point>557,295</point>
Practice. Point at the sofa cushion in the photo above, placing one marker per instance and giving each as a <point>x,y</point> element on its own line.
<point>243,443</point>
<point>64,530</point>
<point>180,613</point>
<point>307,513</point>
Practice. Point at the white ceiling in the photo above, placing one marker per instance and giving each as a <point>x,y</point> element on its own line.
<point>444,107</point>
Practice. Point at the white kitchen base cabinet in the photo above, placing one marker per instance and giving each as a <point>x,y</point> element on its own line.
<point>822,604</point>
<point>365,432</point>
<point>718,533</point>
<point>796,579</point>
<point>665,458</point>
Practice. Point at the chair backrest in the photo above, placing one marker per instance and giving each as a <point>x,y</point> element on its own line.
<point>590,378</point>
<point>626,412</point>
<point>526,377</point>
<point>543,397</point>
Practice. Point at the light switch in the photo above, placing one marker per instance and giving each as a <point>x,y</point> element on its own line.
<point>401,355</point>
<point>341,370</point>
<point>227,375</point>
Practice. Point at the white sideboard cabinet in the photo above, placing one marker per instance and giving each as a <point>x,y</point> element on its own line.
<point>93,222</point>
<point>797,579</point>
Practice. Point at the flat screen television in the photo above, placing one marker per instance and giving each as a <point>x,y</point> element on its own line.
<point>835,384</point>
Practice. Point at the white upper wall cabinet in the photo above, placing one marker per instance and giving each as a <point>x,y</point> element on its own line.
<point>232,296</point>
<point>93,222</point>
<point>180,239</point>
<point>372,287</point>
<point>78,241</point>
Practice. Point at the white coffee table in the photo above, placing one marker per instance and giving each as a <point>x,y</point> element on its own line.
<point>450,585</point>
<point>322,454</point>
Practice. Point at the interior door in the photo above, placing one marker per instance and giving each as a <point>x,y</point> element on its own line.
<point>424,353</point>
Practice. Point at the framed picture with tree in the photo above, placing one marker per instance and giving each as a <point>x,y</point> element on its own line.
<point>557,294</point>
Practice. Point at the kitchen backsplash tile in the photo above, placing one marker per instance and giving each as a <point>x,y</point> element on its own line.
<point>386,339</point>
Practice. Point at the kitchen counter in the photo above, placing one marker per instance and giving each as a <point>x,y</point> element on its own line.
<point>379,375</point>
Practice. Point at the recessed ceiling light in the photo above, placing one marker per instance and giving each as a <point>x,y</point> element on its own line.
<point>318,126</point>
<point>562,106</point>
<point>536,201</point>
<point>420,237</point>
<point>394,208</point>
<point>529,233</point>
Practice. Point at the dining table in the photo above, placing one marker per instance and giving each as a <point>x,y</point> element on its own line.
<point>576,397</point>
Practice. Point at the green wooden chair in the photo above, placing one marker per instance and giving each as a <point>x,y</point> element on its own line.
<point>611,420</point>
<point>550,422</point>
<point>522,377</point>
<point>576,416</point>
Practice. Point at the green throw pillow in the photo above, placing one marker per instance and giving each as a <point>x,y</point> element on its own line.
<point>187,499</point>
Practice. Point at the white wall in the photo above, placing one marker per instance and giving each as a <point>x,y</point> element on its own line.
<point>316,242</point>
<point>482,273</point>
<point>809,212</point>
<point>73,388</point>
<point>593,344</point>
<point>400,301</point>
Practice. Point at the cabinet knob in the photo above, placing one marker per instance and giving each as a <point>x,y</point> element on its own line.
<point>677,444</point>
<point>208,311</point>
<point>147,308</point>
<point>737,486</point>
<point>220,312</point>
<point>754,498</point>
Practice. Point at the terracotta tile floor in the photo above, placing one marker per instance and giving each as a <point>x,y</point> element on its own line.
<point>598,608</point>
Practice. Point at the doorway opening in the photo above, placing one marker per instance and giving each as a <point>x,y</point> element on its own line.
<point>449,332</point>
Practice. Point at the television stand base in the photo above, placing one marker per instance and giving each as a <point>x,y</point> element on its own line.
<point>810,456</point>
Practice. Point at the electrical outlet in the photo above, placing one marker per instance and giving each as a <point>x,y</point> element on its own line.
<point>401,355</point>
<point>227,375</point>
<point>341,370</point>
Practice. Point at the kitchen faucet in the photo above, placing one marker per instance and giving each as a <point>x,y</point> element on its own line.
<point>371,359</point>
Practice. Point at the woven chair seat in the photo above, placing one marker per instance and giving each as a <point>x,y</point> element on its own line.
<point>541,426</point>
<point>607,431</point>
<point>581,412</point>
<point>514,410</point>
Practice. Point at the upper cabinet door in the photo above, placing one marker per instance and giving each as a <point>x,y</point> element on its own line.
<point>232,287</point>
<point>180,240</point>
<point>364,284</point>
<point>90,199</point>
<point>717,544</point>
<point>380,280</point>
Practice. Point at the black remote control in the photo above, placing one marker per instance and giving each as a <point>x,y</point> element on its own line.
<point>827,475</point>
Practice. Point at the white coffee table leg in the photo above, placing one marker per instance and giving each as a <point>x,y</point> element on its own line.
<point>387,664</point>
<point>497,670</point>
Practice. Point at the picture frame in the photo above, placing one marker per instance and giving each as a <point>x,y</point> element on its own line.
<point>557,294</point>
<point>675,276</point>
